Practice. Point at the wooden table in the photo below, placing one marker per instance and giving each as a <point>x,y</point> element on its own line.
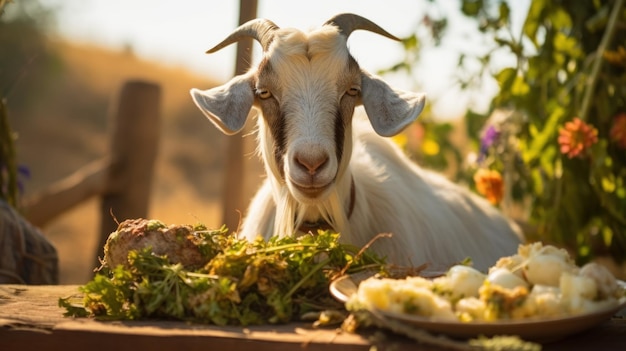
<point>30,319</point>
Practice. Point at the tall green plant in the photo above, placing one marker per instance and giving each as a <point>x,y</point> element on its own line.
<point>568,89</point>
<point>8,167</point>
<point>25,64</point>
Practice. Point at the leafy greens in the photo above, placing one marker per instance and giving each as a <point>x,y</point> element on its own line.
<point>243,283</point>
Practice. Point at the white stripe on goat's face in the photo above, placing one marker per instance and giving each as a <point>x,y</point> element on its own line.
<point>307,87</point>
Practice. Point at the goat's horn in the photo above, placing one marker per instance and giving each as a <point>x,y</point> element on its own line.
<point>258,29</point>
<point>348,22</point>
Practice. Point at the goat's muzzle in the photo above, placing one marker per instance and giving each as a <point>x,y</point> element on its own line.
<point>311,171</point>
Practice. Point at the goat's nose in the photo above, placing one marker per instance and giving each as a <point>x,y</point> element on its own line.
<point>311,163</point>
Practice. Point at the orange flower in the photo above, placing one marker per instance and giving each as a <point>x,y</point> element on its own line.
<point>617,57</point>
<point>618,130</point>
<point>576,137</point>
<point>489,183</point>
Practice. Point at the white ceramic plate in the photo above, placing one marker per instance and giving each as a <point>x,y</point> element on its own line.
<point>544,329</point>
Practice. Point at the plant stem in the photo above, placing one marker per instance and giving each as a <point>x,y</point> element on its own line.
<point>284,247</point>
<point>317,267</point>
<point>597,64</point>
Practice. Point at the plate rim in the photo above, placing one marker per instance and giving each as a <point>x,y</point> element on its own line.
<point>340,295</point>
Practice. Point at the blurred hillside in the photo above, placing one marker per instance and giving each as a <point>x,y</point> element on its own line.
<point>60,115</point>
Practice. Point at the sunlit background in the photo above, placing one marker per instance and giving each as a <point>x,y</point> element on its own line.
<point>179,33</point>
<point>64,61</point>
<point>60,90</point>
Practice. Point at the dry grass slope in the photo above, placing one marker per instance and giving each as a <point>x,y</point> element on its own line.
<point>67,129</point>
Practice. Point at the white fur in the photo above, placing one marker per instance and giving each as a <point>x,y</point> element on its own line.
<point>431,219</point>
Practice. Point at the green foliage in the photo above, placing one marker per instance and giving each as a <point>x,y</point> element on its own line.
<point>27,61</point>
<point>567,66</point>
<point>504,343</point>
<point>566,85</point>
<point>23,55</point>
<point>244,282</point>
<point>8,167</point>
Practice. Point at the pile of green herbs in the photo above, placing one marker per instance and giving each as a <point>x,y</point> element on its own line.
<point>243,283</point>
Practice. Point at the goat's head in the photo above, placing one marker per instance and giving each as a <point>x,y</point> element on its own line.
<point>307,86</point>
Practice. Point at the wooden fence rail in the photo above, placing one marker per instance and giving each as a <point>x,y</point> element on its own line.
<point>123,178</point>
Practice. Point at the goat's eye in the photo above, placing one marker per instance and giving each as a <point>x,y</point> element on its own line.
<point>263,93</point>
<point>354,90</point>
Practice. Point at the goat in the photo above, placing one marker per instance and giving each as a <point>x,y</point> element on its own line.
<point>331,169</point>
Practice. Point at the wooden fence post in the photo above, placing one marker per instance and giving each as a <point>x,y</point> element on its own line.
<point>134,147</point>
<point>234,174</point>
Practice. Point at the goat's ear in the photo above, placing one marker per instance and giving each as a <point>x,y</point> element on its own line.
<point>227,106</point>
<point>389,110</point>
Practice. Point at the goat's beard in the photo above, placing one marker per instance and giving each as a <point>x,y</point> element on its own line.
<point>291,214</point>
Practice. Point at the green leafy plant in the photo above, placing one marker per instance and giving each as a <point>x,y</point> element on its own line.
<point>8,167</point>
<point>567,91</point>
<point>243,283</point>
<point>551,149</point>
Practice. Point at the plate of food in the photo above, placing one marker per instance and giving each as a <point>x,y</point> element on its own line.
<point>538,294</point>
